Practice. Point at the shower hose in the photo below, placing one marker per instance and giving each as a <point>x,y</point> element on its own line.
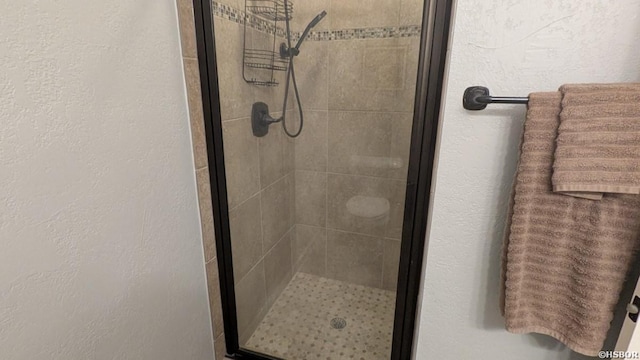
<point>291,74</point>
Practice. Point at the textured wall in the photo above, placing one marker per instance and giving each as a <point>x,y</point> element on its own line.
<point>513,47</point>
<point>101,247</point>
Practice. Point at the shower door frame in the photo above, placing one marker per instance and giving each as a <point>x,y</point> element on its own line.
<point>429,86</point>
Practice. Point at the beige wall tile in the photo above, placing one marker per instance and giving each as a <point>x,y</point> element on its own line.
<point>273,149</point>
<point>309,249</point>
<point>251,300</point>
<point>312,73</point>
<point>206,213</point>
<point>187,29</point>
<point>401,129</point>
<point>391,261</point>
<point>237,4</point>
<point>384,67</point>
<point>350,86</point>
<point>305,11</point>
<point>364,13</point>
<point>215,304</point>
<point>360,143</point>
<point>220,347</point>
<point>397,191</point>
<point>342,188</point>
<point>276,211</point>
<point>242,163</point>
<point>277,266</point>
<point>411,12</point>
<point>311,198</point>
<point>236,96</point>
<point>196,117</point>
<point>354,258</point>
<point>289,154</point>
<point>246,236</point>
<point>291,185</point>
<point>311,145</point>
<point>411,70</point>
<point>291,102</point>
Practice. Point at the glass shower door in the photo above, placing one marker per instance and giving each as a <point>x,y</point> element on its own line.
<point>316,184</point>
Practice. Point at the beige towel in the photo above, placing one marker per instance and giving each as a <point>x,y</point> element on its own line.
<point>564,258</point>
<point>598,145</point>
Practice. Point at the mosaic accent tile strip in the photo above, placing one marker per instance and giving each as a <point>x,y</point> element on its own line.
<point>320,318</point>
<point>240,17</point>
<point>255,22</point>
<point>365,33</point>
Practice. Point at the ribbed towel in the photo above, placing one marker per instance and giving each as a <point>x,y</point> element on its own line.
<point>598,145</point>
<point>564,258</point>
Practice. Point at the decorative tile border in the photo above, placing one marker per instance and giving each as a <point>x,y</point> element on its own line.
<point>363,33</point>
<point>240,17</point>
<point>255,22</point>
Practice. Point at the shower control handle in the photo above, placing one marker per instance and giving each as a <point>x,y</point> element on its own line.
<point>260,119</point>
<point>267,119</point>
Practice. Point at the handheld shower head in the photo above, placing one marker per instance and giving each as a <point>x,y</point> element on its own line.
<point>317,19</point>
<point>311,25</point>
<point>286,51</point>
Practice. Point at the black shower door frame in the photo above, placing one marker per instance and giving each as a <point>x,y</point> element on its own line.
<point>429,87</point>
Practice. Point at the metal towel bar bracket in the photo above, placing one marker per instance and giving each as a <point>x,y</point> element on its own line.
<point>477,98</point>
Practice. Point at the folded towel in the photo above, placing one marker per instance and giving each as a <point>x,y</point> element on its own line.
<point>598,145</point>
<point>565,259</point>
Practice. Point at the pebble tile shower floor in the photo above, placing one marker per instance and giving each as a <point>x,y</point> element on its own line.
<point>301,324</point>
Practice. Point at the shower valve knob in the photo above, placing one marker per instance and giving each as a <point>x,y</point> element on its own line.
<point>260,119</point>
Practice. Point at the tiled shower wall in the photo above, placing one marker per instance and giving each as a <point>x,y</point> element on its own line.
<point>260,183</point>
<point>287,198</point>
<point>357,76</point>
<point>259,172</point>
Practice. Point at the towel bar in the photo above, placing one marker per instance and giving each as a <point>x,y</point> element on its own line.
<point>477,98</point>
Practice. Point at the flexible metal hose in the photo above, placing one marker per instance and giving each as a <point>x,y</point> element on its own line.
<point>291,74</point>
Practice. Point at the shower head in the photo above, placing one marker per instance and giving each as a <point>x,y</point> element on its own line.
<point>317,19</point>
<point>311,25</point>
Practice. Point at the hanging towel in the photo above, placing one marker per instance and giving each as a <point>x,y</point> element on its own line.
<point>564,258</point>
<point>598,145</point>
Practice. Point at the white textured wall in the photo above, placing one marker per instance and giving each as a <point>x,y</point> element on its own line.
<point>513,47</point>
<point>100,247</point>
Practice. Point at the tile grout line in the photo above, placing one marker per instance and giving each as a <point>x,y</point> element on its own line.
<point>354,175</point>
<point>326,170</point>
<point>259,192</point>
<point>262,253</point>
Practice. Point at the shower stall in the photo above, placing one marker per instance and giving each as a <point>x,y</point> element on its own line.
<point>320,137</point>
